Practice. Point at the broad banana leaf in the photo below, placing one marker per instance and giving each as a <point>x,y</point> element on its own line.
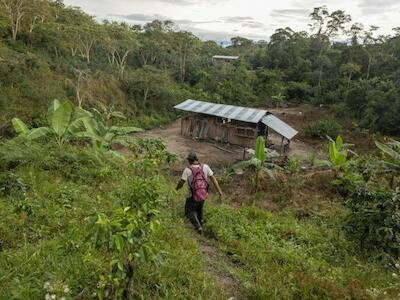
<point>117,114</point>
<point>340,159</point>
<point>339,142</point>
<point>391,167</point>
<point>37,133</point>
<point>389,151</point>
<point>19,126</point>
<point>394,143</point>
<point>109,136</point>
<point>81,113</point>
<point>54,105</point>
<point>260,149</point>
<point>61,118</point>
<point>93,137</point>
<point>91,126</point>
<point>76,126</point>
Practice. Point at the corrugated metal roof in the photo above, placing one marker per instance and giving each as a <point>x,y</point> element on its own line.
<point>226,57</point>
<point>239,113</point>
<point>279,126</point>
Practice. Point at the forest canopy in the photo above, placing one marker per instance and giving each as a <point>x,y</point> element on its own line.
<point>49,50</point>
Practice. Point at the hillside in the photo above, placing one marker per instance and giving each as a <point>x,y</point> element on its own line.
<point>61,52</point>
<point>88,204</point>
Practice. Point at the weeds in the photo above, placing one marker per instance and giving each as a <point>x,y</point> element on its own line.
<point>323,127</point>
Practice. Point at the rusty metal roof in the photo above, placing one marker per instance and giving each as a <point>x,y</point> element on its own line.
<point>279,126</point>
<point>239,113</point>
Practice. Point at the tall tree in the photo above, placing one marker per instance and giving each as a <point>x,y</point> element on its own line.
<point>120,40</point>
<point>184,42</point>
<point>325,26</point>
<point>15,11</point>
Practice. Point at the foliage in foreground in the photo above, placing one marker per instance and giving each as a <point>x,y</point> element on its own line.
<point>371,197</point>
<point>88,222</point>
<point>279,257</point>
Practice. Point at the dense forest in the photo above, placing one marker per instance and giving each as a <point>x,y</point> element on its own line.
<point>89,207</point>
<point>51,51</point>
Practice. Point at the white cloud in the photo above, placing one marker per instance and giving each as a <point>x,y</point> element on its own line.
<point>222,19</point>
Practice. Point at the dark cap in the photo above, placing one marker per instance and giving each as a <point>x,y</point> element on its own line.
<point>192,156</point>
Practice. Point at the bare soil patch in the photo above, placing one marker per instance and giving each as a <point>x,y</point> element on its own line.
<point>215,154</point>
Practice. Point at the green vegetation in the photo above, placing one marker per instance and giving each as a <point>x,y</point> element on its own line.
<point>81,220</point>
<point>322,128</point>
<point>90,222</point>
<point>279,257</point>
<point>50,51</point>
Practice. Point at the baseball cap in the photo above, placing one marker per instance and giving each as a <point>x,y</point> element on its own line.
<point>192,156</point>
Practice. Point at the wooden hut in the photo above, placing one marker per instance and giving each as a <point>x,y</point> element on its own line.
<point>231,124</point>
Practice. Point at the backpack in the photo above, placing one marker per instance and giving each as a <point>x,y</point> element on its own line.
<point>199,184</point>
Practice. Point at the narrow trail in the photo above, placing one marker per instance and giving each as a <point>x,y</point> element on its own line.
<point>219,266</point>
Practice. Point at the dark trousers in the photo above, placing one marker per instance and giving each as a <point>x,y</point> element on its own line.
<point>194,211</point>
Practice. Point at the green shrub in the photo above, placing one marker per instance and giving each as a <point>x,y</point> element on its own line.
<point>323,127</point>
<point>374,218</point>
<point>12,185</point>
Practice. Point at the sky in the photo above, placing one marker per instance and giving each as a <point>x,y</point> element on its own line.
<point>254,19</point>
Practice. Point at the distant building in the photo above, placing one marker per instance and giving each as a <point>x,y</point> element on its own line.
<point>230,124</point>
<point>224,58</point>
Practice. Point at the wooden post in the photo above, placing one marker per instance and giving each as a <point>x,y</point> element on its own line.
<point>182,126</point>
<point>282,145</point>
<point>244,153</point>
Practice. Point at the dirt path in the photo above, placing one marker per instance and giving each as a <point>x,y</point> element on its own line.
<point>216,155</point>
<point>219,266</point>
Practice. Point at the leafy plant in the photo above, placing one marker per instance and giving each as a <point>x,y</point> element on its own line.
<point>127,238</point>
<point>322,128</point>
<point>31,134</point>
<point>258,164</point>
<point>260,157</point>
<point>12,185</point>
<point>64,123</point>
<point>260,149</point>
<point>337,152</point>
<point>391,163</point>
<point>101,134</point>
<point>278,99</point>
<point>293,165</point>
<point>374,218</point>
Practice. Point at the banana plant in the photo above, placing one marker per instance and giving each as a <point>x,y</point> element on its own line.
<point>337,152</point>
<point>23,131</point>
<point>102,135</point>
<point>391,163</point>
<point>64,122</point>
<point>260,149</point>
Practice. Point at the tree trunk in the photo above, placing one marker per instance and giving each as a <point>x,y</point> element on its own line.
<point>121,61</point>
<point>348,87</point>
<point>369,65</point>
<point>15,11</point>
<point>145,95</point>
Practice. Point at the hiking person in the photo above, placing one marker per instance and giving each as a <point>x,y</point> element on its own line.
<point>197,176</point>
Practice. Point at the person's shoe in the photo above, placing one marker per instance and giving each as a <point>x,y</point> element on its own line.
<point>200,230</point>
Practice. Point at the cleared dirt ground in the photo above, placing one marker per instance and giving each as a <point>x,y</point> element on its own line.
<point>215,154</point>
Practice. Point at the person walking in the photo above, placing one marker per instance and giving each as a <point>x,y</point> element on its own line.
<point>197,176</point>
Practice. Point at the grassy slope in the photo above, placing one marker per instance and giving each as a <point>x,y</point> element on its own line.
<point>44,237</point>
